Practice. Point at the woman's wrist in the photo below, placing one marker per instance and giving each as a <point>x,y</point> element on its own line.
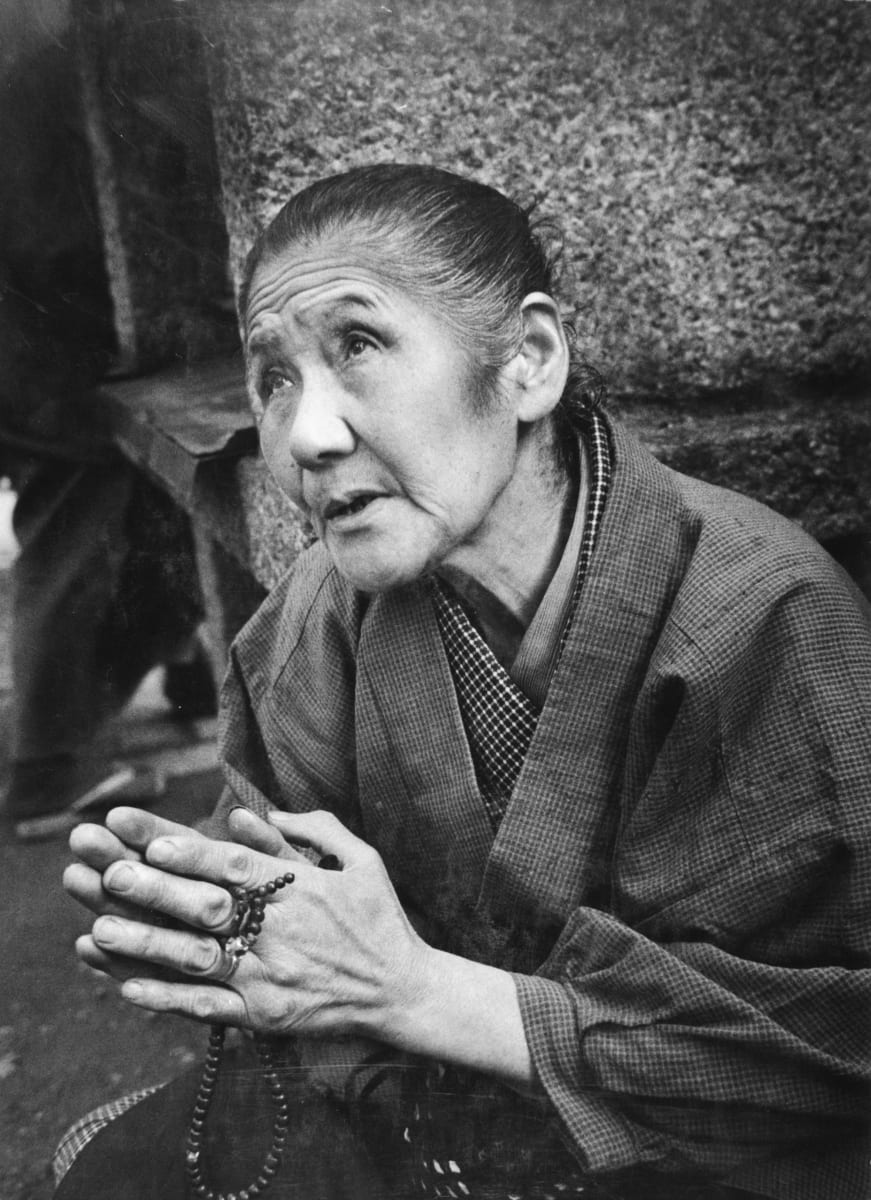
<point>455,1010</point>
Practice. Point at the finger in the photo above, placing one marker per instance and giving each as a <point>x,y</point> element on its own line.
<point>191,901</point>
<point>252,831</point>
<point>85,885</point>
<point>112,965</point>
<point>201,1002</point>
<point>326,834</point>
<point>182,951</point>
<point>137,828</point>
<point>98,846</point>
<point>227,863</point>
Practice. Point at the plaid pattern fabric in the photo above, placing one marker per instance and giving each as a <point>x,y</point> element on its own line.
<point>701,765</point>
<point>500,722</point>
<point>87,1127</point>
<point>595,435</point>
<point>499,719</point>
<point>693,817</point>
<point>462,1142</point>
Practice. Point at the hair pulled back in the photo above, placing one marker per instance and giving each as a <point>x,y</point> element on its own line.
<point>457,245</point>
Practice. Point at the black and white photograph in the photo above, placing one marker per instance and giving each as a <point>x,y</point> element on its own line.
<point>435,599</point>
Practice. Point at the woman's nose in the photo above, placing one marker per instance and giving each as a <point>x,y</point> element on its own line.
<point>319,432</point>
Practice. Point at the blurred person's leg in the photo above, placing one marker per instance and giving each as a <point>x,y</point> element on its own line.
<point>104,588</point>
<point>157,608</point>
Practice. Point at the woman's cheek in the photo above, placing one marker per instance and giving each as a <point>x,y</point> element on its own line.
<point>281,464</point>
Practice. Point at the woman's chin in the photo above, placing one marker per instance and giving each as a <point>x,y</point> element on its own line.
<point>372,573</point>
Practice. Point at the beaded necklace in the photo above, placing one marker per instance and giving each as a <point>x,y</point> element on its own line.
<point>248,922</point>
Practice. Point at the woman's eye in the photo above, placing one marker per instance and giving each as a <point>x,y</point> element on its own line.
<point>357,344</point>
<point>272,382</point>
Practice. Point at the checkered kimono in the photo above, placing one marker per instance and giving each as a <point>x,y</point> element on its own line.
<point>681,881</point>
<point>499,719</point>
<point>682,878</point>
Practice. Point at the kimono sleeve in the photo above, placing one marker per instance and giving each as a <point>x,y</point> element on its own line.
<point>731,1030</point>
<point>287,707</point>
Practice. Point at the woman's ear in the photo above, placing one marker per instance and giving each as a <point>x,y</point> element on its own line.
<point>541,365</point>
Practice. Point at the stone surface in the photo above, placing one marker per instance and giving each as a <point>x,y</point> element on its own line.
<point>149,127</point>
<point>240,507</point>
<point>804,460</point>
<point>708,160</point>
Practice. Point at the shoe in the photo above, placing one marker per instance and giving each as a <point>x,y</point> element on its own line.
<point>48,797</point>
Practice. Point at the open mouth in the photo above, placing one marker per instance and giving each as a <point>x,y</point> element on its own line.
<point>337,509</point>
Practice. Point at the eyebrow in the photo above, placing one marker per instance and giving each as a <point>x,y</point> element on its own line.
<point>270,339</point>
<point>266,340</point>
<point>347,300</point>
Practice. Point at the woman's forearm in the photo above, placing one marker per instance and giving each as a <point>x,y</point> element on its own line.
<point>463,1012</point>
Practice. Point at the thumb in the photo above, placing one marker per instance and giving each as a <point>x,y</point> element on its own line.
<point>325,834</point>
<point>252,831</point>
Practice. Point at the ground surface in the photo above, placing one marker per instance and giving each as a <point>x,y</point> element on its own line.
<point>66,1042</point>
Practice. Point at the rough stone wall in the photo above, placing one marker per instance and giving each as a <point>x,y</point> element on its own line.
<point>708,159</point>
<point>149,125</point>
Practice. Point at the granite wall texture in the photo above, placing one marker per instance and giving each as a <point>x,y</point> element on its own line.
<point>148,120</point>
<point>708,160</point>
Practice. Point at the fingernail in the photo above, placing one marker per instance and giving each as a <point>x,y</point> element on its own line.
<point>131,990</point>
<point>106,929</point>
<point>119,877</point>
<point>244,810</point>
<point>161,851</point>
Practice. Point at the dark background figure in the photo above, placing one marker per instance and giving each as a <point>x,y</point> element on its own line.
<point>104,586</point>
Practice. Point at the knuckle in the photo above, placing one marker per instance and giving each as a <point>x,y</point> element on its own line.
<point>152,892</point>
<point>203,957</point>
<point>217,909</point>
<point>239,868</point>
<point>273,1015</point>
<point>203,1006</point>
<point>151,941</point>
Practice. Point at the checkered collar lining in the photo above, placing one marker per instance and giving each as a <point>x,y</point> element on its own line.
<point>498,717</point>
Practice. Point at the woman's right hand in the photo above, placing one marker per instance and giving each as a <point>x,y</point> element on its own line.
<point>127,836</point>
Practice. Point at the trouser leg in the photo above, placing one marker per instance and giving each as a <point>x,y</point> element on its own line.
<point>69,520</point>
<point>104,588</point>
<point>156,607</point>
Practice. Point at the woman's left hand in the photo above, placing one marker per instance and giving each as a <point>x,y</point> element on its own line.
<point>336,954</point>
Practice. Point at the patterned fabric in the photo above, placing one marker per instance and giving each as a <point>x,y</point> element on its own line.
<point>499,719</point>
<point>86,1128</point>
<point>461,1142</point>
<point>689,841</point>
<point>500,722</point>
<point>682,880</point>
<point>595,435</point>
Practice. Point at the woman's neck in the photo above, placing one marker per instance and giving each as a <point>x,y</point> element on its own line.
<point>505,574</point>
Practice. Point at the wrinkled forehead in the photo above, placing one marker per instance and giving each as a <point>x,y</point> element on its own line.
<point>308,273</point>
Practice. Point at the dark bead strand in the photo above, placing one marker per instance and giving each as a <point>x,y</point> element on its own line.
<point>250,910</point>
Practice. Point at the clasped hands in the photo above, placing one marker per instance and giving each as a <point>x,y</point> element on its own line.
<point>336,955</point>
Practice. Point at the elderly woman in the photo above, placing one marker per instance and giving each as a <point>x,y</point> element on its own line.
<point>586,744</point>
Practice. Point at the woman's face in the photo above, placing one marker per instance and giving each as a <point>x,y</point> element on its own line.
<point>366,414</point>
